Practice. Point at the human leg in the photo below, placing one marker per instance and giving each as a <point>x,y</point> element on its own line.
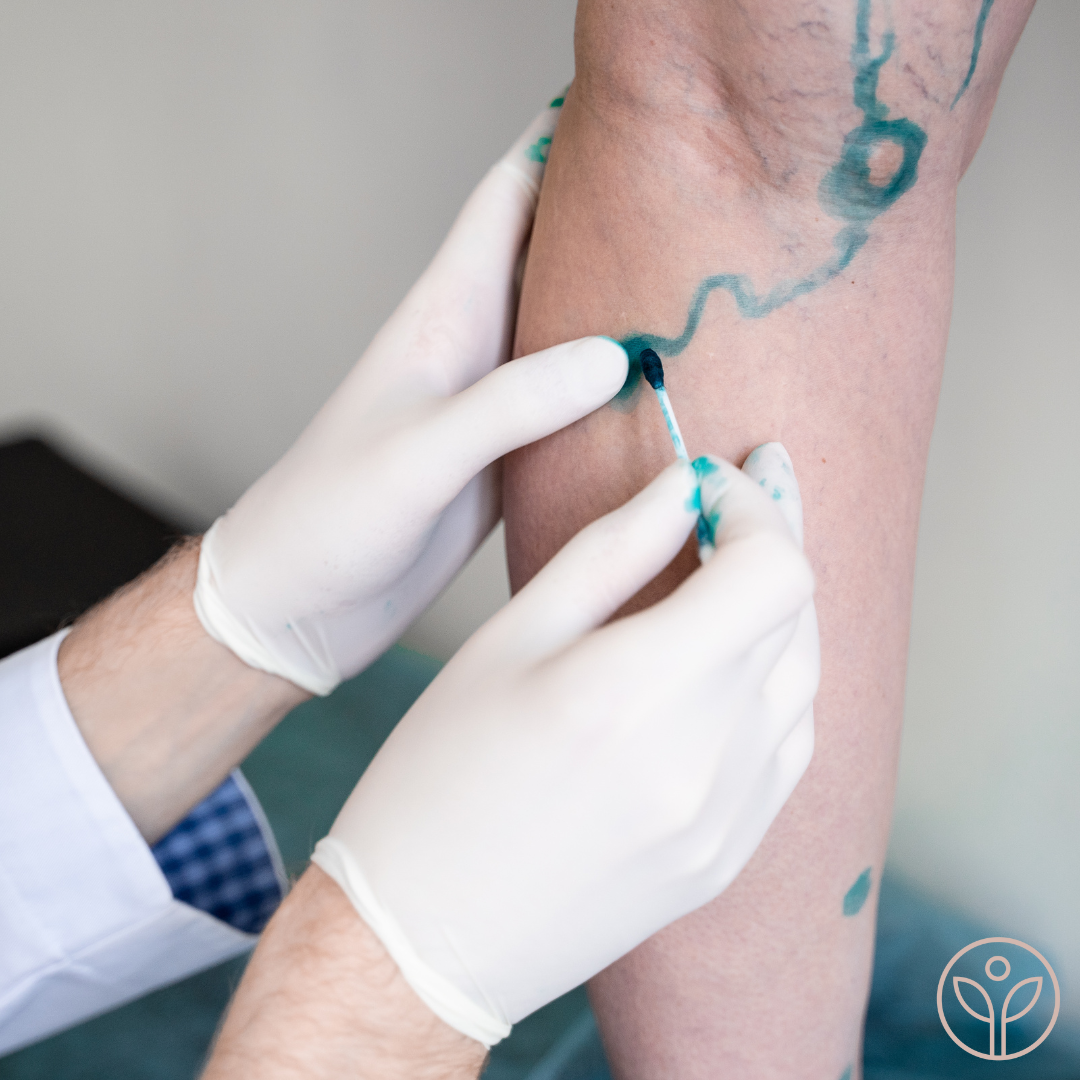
<point>764,193</point>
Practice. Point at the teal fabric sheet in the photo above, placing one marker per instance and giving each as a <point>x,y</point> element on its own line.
<point>303,772</point>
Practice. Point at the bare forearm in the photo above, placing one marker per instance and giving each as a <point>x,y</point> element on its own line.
<point>322,998</point>
<point>166,711</point>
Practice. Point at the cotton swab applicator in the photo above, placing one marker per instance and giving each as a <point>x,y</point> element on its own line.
<point>653,371</point>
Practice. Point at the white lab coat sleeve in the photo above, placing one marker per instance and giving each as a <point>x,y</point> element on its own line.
<point>87,919</point>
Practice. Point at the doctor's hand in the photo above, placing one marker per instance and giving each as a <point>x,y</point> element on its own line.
<point>328,557</point>
<point>565,788</point>
<point>562,790</point>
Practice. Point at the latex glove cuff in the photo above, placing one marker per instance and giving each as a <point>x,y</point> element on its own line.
<point>311,671</point>
<point>440,995</point>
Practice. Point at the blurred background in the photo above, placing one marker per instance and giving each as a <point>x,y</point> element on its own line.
<point>208,209</point>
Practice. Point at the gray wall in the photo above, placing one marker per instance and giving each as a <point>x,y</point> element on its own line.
<point>208,209</point>
<point>988,813</point>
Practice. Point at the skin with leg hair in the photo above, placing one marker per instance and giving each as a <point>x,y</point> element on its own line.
<point>785,175</point>
<point>166,711</point>
<point>321,998</point>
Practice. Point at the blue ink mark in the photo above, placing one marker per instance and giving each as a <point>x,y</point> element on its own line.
<point>707,524</point>
<point>847,1074</point>
<point>976,48</point>
<point>777,493</point>
<point>856,896</point>
<point>539,150</point>
<point>846,193</point>
<point>694,502</point>
<point>557,103</point>
<point>706,528</point>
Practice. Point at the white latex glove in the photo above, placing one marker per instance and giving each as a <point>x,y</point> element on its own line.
<point>565,788</point>
<point>327,558</point>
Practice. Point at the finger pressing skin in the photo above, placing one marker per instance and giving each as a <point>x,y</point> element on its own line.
<point>486,238</point>
<point>488,233</point>
<point>454,325</point>
<point>460,313</point>
<point>520,402</point>
<point>524,162</point>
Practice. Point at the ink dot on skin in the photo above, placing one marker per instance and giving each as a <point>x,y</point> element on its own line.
<point>856,896</point>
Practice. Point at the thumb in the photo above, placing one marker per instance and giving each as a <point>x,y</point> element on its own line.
<point>518,403</point>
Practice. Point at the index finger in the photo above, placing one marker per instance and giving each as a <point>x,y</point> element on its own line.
<point>524,162</point>
<point>756,580</point>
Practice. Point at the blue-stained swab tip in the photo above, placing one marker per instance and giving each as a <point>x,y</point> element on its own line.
<point>652,369</point>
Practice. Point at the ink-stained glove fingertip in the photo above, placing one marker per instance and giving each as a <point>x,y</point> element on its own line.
<point>526,159</point>
<point>770,467</point>
<point>710,478</point>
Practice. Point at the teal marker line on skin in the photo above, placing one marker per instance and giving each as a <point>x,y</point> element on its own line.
<point>976,48</point>
<point>847,192</point>
<point>653,371</point>
<point>856,896</point>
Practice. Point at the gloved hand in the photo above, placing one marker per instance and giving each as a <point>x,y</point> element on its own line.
<point>327,558</point>
<point>565,788</point>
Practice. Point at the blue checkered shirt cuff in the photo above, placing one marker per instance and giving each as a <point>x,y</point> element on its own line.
<point>223,859</point>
